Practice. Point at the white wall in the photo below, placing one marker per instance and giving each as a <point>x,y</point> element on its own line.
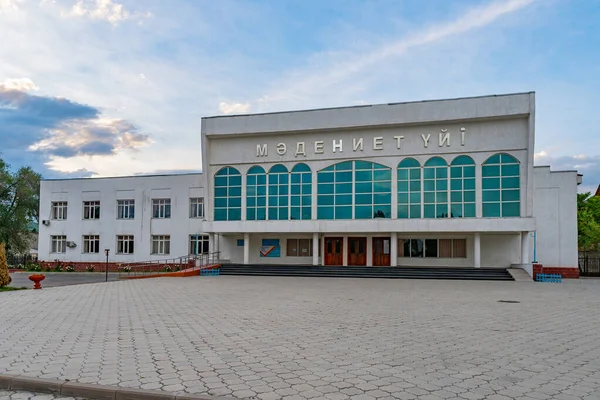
<point>500,250</point>
<point>179,188</point>
<point>555,210</point>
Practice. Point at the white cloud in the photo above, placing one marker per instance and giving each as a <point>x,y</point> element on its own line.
<point>234,108</point>
<point>21,84</point>
<point>106,10</point>
<point>9,5</point>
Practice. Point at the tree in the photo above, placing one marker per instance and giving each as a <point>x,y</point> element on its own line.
<point>19,206</point>
<point>4,276</point>
<point>588,221</point>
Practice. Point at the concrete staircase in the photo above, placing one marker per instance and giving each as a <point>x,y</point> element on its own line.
<point>476,274</point>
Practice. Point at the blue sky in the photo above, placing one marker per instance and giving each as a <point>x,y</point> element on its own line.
<point>118,87</point>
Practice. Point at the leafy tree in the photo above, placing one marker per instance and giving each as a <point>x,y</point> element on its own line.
<point>588,221</point>
<point>4,275</point>
<point>19,206</point>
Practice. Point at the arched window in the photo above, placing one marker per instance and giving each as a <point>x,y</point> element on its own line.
<point>409,189</point>
<point>256,194</point>
<point>300,192</point>
<point>228,195</point>
<point>279,183</point>
<point>354,189</point>
<point>501,186</point>
<point>462,187</point>
<point>435,188</point>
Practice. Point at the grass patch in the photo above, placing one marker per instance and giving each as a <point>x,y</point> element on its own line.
<point>10,288</point>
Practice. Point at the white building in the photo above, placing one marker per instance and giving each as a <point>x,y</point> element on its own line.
<point>433,183</point>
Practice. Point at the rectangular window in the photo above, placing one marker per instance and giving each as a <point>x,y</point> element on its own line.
<point>59,210</point>
<point>161,244</point>
<point>125,209</point>
<point>91,210</point>
<point>58,244</point>
<point>91,244</point>
<point>299,248</point>
<point>197,207</point>
<point>199,244</point>
<point>432,248</point>
<point>240,242</point>
<point>125,244</point>
<point>459,248</point>
<point>161,208</point>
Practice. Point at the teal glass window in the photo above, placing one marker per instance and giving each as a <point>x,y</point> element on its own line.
<point>256,194</point>
<point>279,199</point>
<point>462,187</point>
<point>354,189</point>
<point>409,189</point>
<point>300,192</point>
<point>435,188</point>
<point>501,185</point>
<point>228,195</point>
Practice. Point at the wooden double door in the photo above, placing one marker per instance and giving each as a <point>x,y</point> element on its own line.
<point>357,251</point>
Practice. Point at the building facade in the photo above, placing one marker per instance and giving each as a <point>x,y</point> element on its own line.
<point>435,183</point>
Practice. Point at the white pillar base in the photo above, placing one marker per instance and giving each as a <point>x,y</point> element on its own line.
<point>525,248</point>
<point>394,249</point>
<point>315,248</point>
<point>246,248</point>
<point>477,250</point>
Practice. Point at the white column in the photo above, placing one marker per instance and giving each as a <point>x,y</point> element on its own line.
<point>211,243</point>
<point>315,248</point>
<point>345,251</point>
<point>246,248</point>
<point>525,248</point>
<point>313,194</point>
<point>477,250</point>
<point>394,249</point>
<point>369,251</point>
<point>394,191</point>
<point>323,250</point>
<point>478,191</point>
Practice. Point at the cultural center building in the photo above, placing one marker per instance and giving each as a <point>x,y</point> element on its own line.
<point>445,183</point>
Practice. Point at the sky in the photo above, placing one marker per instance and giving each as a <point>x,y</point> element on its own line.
<point>93,88</point>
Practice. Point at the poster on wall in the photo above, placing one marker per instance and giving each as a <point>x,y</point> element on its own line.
<point>270,248</point>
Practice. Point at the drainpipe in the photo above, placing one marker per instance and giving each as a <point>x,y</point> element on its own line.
<point>535,247</point>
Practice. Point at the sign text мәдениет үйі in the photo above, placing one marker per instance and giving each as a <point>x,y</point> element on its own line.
<point>358,144</point>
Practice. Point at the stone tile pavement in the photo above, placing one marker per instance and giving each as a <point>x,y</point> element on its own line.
<point>312,338</point>
<point>12,395</point>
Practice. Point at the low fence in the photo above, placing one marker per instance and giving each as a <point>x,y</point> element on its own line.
<point>589,265</point>
<point>20,260</point>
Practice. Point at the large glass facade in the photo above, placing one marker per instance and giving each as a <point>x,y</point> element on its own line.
<point>228,195</point>
<point>256,194</point>
<point>409,189</point>
<point>435,188</point>
<point>300,192</point>
<point>279,199</point>
<point>501,186</point>
<point>354,189</point>
<point>462,187</point>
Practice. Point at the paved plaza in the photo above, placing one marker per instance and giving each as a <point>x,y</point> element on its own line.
<point>13,395</point>
<point>312,338</point>
<point>53,279</point>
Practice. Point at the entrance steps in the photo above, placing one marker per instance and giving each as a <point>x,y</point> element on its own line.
<point>476,274</point>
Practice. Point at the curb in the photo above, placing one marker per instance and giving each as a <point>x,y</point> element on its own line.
<point>91,391</point>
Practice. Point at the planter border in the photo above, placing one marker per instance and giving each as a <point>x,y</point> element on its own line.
<point>92,391</point>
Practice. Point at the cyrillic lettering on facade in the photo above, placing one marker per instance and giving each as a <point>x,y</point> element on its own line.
<point>300,149</point>
<point>462,136</point>
<point>444,138</point>
<point>281,148</point>
<point>377,143</point>
<point>357,144</point>
<point>319,147</point>
<point>399,141</point>
<point>426,139</point>
<point>261,151</point>
<point>337,145</point>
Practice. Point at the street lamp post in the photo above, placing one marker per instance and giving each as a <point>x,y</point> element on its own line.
<point>106,251</point>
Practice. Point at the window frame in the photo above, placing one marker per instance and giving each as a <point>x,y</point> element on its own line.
<point>196,207</point>
<point>125,242</point>
<point>90,243</point>
<point>126,209</point>
<point>163,245</point>
<point>198,241</point>
<point>298,247</point>
<point>161,208</point>
<point>423,252</point>
<point>57,241</point>
<point>91,209</point>
<point>58,210</point>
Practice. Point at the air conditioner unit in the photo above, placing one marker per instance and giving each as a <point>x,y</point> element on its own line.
<point>71,244</point>
<point>46,222</point>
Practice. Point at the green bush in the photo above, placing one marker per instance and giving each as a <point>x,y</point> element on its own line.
<point>70,268</point>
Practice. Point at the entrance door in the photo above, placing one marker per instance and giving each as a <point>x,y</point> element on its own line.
<point>357,251</point>
<point>381,251</point>
<point>333,251</point>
